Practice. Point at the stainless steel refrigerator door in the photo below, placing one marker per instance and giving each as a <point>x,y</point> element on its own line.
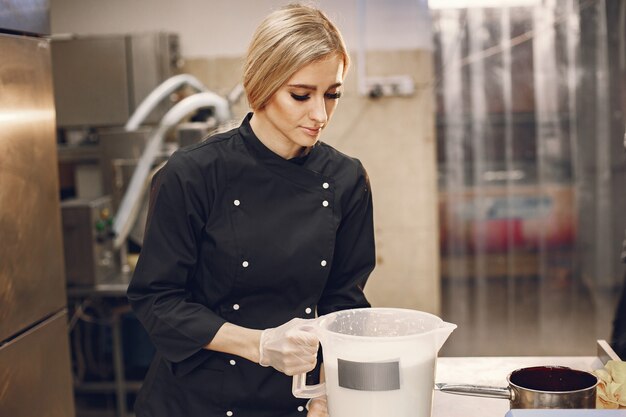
<point>35,377</point>
<point>32,276</point>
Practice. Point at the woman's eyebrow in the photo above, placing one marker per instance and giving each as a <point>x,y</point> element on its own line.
<point>312,87</point>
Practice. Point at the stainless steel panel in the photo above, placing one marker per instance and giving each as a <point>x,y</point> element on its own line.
<point>154,57</point>
<point>117,146</point>
<point>32,16</point>
<point>32,283</point>
<point>91,81</point>
<point>100,80</point>
<point>120,152</point>
<point>35,372</point>
<point>194,132</point>
<point>123,172</point>
<point>87,240</point>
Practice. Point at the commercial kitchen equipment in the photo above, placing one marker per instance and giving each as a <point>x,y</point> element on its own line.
<point>99,80</point>
<point>35,372</point>
<point>157,95</point>
<point>131,202</point>
<point>87,241</point>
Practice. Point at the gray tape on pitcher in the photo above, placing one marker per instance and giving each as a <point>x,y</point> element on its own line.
<point>369,376</point>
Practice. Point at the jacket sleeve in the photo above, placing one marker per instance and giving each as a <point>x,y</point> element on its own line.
<point>354,257</point>
<point>158,293</point>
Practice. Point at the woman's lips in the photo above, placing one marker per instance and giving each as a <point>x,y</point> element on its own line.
<point>311,131</point>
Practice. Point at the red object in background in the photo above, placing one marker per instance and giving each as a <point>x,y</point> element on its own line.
<point>497,219</point>
<point>496,235</point>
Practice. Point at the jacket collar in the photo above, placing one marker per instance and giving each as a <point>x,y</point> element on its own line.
<point>260,150</point>
<point>301,173</point>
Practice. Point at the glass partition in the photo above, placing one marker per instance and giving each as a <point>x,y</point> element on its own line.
<point>532,173</point>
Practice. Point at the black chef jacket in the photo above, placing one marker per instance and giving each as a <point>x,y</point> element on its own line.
<point>238,234</point>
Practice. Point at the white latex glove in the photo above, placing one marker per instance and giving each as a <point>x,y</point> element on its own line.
<point>317,407</point>
<point>288,348</point>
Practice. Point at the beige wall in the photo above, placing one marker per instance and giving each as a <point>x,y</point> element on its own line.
<point>210,28</point>
<point>395,139</point>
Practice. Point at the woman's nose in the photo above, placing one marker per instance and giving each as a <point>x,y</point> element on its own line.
<point>317,112</point>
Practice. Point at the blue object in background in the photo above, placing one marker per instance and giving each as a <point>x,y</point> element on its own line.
<point>565,413</point>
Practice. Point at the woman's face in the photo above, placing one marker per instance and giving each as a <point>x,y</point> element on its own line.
<point>296,114</point>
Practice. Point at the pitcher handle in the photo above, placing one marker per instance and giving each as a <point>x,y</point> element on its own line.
<point>300,389</point>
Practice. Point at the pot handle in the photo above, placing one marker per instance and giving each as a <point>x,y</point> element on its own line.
<point>476,390</point>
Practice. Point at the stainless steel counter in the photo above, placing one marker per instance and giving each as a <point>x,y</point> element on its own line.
<point>493,371</point>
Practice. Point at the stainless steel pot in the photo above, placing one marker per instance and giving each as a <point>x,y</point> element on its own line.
<point>538,387</point>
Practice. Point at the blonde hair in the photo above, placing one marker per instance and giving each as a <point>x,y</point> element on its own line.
<point>285,41</point>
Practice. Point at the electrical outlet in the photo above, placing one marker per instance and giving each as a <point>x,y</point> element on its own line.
<point>395,85</point>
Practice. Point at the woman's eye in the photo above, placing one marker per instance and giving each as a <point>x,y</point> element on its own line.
<point>333,96</point>
<point>300,98</point>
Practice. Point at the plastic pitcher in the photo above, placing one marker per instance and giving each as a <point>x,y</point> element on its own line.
<point>377,361</point>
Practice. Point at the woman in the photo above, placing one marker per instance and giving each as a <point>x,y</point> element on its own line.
<point>253,232</point>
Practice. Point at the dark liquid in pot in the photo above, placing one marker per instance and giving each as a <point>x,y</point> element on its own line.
<point>552,379</point>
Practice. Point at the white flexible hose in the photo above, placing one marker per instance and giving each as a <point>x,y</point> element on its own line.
<point>153,99</point>
<point>130,204</point>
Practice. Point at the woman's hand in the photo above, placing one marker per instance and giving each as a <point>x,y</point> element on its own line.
<point>318,407</point>
<point>288,348</point>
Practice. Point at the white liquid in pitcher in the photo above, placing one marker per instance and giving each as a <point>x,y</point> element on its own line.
<point>413,399</point>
